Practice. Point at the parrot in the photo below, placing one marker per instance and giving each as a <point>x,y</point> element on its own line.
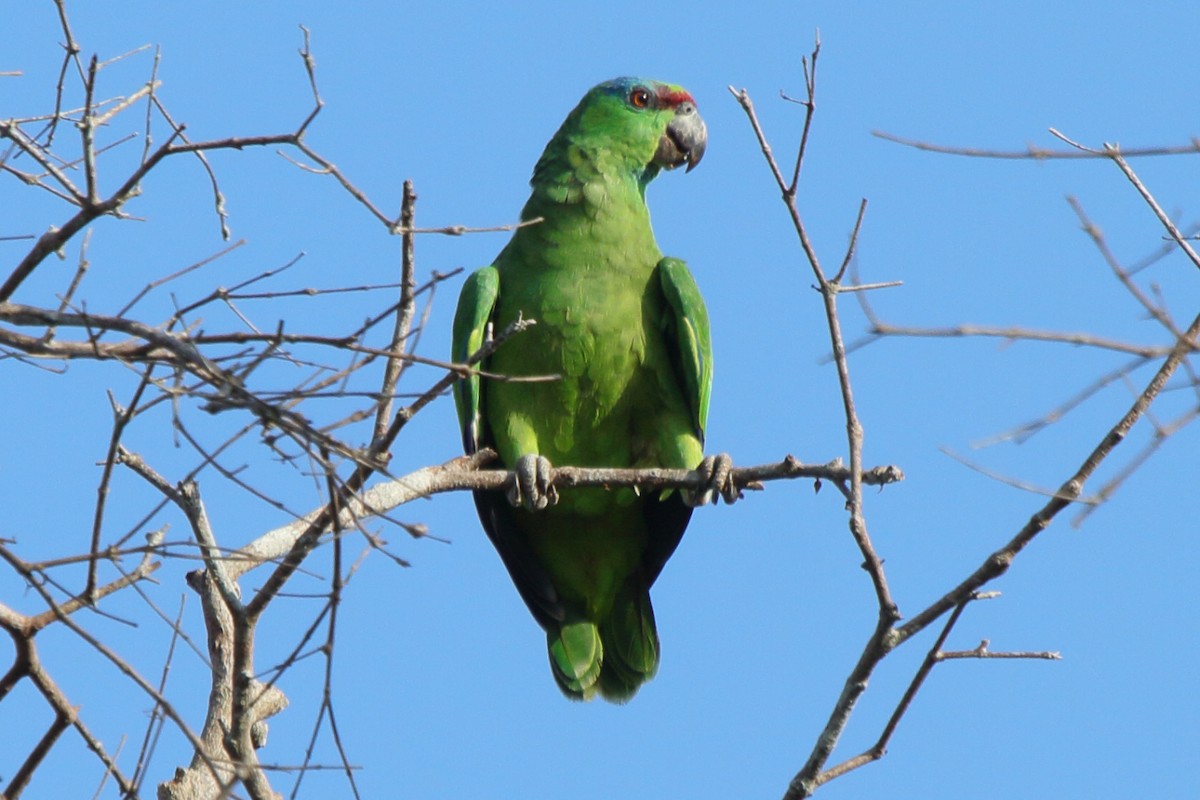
<point>615,370</point>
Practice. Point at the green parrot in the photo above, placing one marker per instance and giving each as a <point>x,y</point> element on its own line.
<point>626,333</point>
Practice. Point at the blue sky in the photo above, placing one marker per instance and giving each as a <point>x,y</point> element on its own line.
<point>441,684</point>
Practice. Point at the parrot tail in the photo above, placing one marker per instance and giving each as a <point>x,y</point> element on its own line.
<point>615,657</point>
<point>630,642</point>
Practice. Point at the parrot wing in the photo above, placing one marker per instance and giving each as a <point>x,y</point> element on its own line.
<point>690,352</point>
<point>472,323</point>
<point>688,337</point>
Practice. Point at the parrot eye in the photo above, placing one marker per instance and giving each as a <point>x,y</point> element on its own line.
<point>640,97</point>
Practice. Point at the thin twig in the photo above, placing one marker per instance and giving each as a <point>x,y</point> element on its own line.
<point>998,562</point>
<point>1032,152</point>
<point>394,365</point>
<point>121,420</point>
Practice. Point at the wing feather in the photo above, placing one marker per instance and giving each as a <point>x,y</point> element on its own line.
<point>687,330</point>
<point>472,320</point>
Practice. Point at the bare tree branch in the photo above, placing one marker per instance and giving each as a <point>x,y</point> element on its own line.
<point>1032,152</point>
<point>888,633</point>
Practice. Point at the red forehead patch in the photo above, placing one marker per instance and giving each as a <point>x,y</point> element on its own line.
<point>668,96</point>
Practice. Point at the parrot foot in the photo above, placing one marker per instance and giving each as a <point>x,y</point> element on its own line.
<point>716,473</point>
<point>531,485</point>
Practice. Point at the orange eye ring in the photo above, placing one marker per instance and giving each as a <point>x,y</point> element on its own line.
<point>639,97</point>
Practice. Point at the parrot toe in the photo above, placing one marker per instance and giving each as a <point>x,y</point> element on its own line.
<point>531,486</point>
<point>716,473</point>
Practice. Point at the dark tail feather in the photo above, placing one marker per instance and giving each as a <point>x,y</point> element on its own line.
<point>630,642</point>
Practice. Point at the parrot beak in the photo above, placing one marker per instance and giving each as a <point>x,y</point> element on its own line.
<point>684,140</point>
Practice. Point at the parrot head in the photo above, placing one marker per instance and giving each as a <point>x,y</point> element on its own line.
<point>685,136</point>
<point>627,126</point>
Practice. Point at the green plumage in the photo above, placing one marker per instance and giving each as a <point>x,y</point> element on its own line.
<point>627,333</point>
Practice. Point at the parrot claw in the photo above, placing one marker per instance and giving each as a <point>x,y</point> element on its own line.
<point>531,487</point>
<point>716,473</point>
